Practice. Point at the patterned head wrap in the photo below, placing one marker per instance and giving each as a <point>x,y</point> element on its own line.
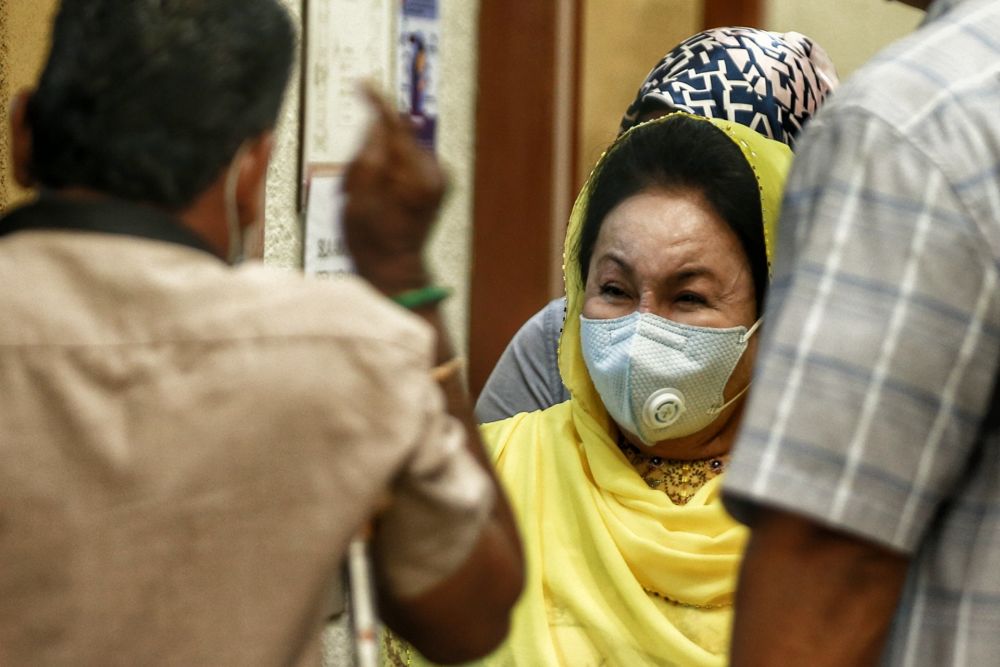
<point>770,82</point>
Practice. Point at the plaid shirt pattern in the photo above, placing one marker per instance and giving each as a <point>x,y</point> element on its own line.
<point>874,408</point>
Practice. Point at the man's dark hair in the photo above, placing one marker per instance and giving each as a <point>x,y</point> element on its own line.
<point>681,153</point>
<point>147,100</point>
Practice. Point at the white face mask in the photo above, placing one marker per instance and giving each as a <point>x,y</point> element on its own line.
<point>237,242</point>
<point>660,379</point>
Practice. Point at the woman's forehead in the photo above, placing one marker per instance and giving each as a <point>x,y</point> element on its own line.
<point>660,230</point>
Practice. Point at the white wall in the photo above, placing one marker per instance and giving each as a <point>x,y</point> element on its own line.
<point>282,230</point>
<point>851,31</point>
<point>449,251</point>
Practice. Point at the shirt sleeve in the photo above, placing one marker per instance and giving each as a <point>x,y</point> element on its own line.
<point>880,340</point>
<point>526,378</point>
<point>440,501</point>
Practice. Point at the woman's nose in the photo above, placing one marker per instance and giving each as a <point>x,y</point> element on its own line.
<point>649,303</point>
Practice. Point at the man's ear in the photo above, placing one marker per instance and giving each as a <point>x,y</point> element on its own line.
<point>21,139</point>
<point>253,178</point>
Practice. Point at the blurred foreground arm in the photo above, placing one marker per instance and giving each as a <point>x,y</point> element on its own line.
<point>808,595</point>
<point>393,191</point>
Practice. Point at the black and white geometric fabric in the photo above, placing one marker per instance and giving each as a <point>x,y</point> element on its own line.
<point>770,82</point>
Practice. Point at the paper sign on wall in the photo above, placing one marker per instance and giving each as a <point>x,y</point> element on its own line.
<point>348,42</point>
<point>325,251</point>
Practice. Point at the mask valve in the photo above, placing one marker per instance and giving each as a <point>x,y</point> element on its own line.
<point>663,408</point>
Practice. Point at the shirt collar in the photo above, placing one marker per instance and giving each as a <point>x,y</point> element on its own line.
<point>106,216</point>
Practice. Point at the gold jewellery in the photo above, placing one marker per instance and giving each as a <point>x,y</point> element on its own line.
<point>679,479</point>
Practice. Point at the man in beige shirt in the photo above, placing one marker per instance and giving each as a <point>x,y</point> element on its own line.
<point>189,446</point>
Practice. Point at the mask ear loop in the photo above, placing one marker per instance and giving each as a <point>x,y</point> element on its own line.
<point>715,411</point>
<point>752,330</point>
<point>234,253</point>
<point>743,339</point>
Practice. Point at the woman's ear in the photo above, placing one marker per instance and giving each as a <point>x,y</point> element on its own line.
<point>21,139</point>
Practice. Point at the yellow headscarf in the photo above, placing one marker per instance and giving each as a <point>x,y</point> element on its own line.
<point>617,574</point>
<point>598,540</point>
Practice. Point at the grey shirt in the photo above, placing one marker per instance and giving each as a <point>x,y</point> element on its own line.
<point>527,376</point>
<point>874,409</point>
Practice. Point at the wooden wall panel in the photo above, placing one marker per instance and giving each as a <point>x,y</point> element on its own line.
<point>747,13</point>
<point>24,42</point>
<point>623,40</point>
<point>521,167</point>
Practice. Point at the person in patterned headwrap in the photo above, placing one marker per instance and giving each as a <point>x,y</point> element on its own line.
<point>770,82</point>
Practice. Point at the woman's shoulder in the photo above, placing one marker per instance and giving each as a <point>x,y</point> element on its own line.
<point>526,430</point>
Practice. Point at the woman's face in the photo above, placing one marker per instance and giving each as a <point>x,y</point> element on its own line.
<point>669,253</point>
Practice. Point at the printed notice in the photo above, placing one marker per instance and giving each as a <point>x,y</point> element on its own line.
<point>348,41</point>
<point>325,252</point>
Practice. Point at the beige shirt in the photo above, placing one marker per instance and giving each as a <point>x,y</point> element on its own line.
<point>189,448</point>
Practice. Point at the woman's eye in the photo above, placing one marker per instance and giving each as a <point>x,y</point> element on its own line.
<point>613,291</point>
<point>691,298</point>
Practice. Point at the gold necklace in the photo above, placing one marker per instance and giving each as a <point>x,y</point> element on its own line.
<point>679,479</point>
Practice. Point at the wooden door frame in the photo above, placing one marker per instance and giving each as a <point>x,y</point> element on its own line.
<point>526,134</point>
<point>526,124</point>
<point>719,13</point>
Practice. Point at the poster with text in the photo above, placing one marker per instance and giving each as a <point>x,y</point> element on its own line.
<point>325,252</point>
<point>418,66</point>
<point>348,42</point>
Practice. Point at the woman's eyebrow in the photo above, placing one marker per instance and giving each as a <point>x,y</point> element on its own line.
<point>612,256</point>
<point>693,272</point>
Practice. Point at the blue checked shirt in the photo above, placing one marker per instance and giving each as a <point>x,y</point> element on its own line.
<point>874,409</point>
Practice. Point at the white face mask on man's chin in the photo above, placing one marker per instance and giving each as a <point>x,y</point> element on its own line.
<point>243,241</point>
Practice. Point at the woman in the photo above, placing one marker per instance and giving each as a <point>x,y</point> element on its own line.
<point>632,559</point>
<point>770,82</point>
